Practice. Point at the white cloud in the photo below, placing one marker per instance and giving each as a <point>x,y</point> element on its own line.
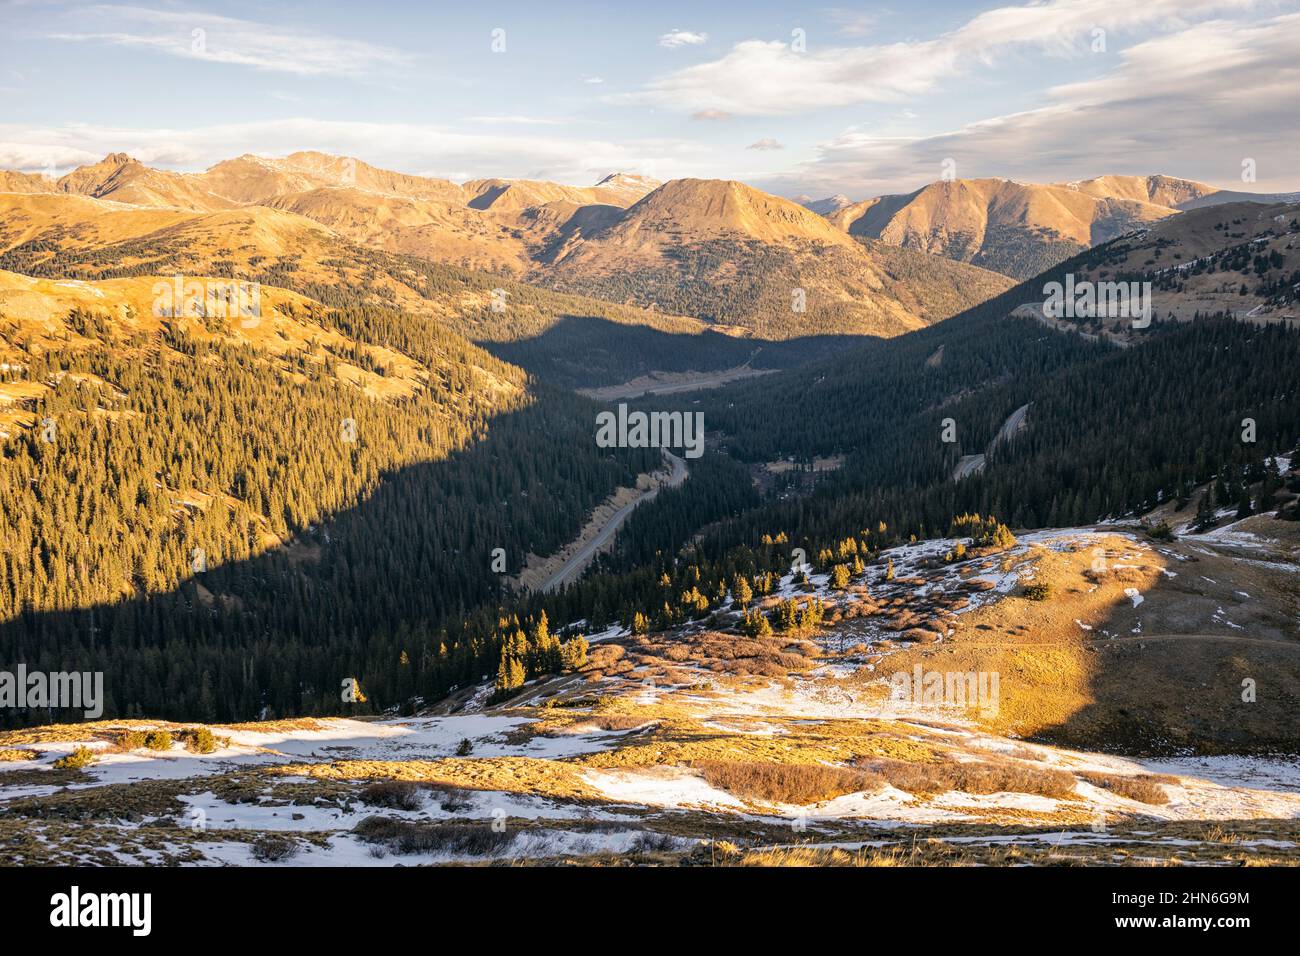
<point>221,39</point>
<point>515,120</point>
<point>1193,103</point>
<point>759,77</point>
<point>765,143</point>
<point>437,151</point>
<point>677,38</point>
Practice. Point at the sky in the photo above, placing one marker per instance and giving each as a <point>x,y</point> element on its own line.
<point>796,98</point>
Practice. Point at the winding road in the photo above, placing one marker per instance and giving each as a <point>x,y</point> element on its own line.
<point>572,569</point>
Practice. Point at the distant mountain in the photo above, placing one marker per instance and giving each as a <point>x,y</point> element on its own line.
<point>824,207</point>
<point>1233,195</point>
<point>1018,229</point>
<point>746,262</point>
<point>120,178</point>
<point>740,257</point>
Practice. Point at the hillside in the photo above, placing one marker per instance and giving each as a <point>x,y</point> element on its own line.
<point>1018,229</point>
<point>740,257</point>
<point>715,250</point>
<point>695,745</point>
<point>215,461</point>
<point>1021,229</point>
<point>570,339</point>
<point>1236,259</point>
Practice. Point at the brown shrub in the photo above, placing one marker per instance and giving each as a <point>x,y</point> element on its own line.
<point>902,620</point>
<point>753,667</point>
<point>604,656</point>
<point>273,847</point>
<point>1143,787</point>
<point>933,778</point>
<point>797,783</point>
<point>401,836</point>
<point>619,722</point>
<point>393,794</point>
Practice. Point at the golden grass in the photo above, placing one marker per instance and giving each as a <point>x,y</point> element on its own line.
<point>528,775</point>
<point>977,778</point>
<point>1145,788</point>
<point>1047,672</point>
<point>797,783</point>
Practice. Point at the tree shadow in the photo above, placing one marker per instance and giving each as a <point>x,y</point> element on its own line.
<point>589,351</point>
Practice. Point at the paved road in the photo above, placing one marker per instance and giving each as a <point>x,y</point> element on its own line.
<point>967,466</point>
<point>699,380</point>
<point>1014,423</point>
<point>573,568</point>
<point>973,464</point>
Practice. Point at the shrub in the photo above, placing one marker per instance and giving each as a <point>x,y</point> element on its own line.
<point>273,847</point>
<point>927,778</point>
<point>401,836</point>
<point>80,757</point>
<point>796,783</point>
<point>1160,531</point>
<point>393,794</point>
<point>465,747</point>
<point>199,740</point>
<point>158,740</point>
<point>454,799</point>
<point>133,740</point>
<point>1143,787</point>
<point>1038,591</point>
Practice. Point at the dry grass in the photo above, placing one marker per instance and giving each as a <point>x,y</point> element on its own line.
<point>784,782</point>
<point>393,795</point>
<point>16,754</point>
<point>663,659</point>
<point>404,837</point>
<point>1047,671</point>
<point>530,775</point>
<point>678,740</point>
<point>1145,788</point>
<point>978,778</point>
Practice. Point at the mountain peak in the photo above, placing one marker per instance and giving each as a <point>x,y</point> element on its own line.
<point>824,207</point>
<point>114,161</point>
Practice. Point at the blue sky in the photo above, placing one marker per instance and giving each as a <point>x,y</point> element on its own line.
<point>793,97</point>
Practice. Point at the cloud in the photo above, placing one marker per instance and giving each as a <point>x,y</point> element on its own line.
<point>221,39</point>
<point>593,79</point>
<point>1194,104</point>
<point>711,115</point>
<point>428,150</point>
<point>760,77</point>
<point>765,143</point>
<point>679,38</point>
<point>515,120</point>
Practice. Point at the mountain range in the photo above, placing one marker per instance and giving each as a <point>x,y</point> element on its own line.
<point>1020,229</point>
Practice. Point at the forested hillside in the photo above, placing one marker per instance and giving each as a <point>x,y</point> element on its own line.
<point>222,528</point>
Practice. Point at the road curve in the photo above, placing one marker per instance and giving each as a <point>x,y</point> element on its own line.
<point>572,569</point>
